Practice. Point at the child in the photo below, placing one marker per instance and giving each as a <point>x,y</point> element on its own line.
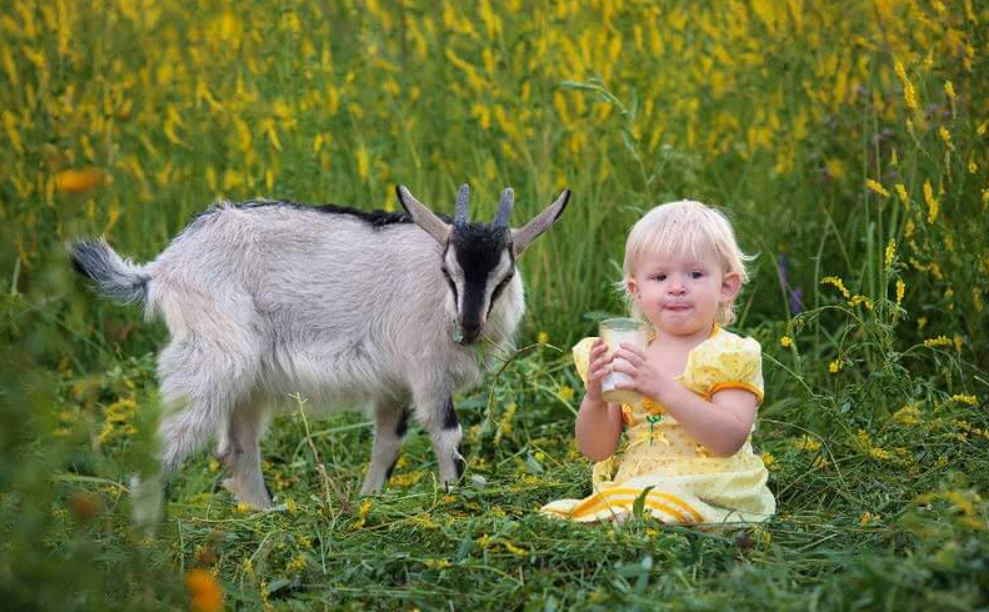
<point>687,453</point>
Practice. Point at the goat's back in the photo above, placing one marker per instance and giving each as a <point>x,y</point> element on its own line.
<point>325,300</point>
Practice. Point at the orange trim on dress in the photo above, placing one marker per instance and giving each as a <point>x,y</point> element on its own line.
<point>601,498</point>
<point>756,391</point>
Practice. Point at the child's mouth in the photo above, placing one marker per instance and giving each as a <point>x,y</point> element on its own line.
<point>677,307</point>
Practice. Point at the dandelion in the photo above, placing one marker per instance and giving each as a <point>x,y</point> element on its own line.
<point>971,400</point>
<point>877,187</point>
<point>932,203</point>
<point>205,594</point>
<point>786,341</point>
<point>565,393</point>
<point>835,366</point>
<point>837,283</point>
<point>768,460</point>
<point>80,181</point>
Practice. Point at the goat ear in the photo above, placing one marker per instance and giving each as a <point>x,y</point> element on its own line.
<point>522,237</point>
<point>422,216</point>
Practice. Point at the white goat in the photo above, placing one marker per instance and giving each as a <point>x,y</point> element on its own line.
<point>263,299</point>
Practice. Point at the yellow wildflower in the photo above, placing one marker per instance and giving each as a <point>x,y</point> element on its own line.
<point>565,393</point>
<point>879,453</point>
<point>542,338</point>
<point>890,253</point>
<point>835,366</point>
<point>786,341</point>
<point>908,415</point>
<point>901,289</point>
<point>515,550</point>
<point>835,168</point>
<point>838,283</point>
<point>205,594</point>
<point>937,341</point>
<point>949,89</point>
<point>946,137</point>
<point>901,191</point>
<point>860,299</point>
<point>877,187</point>
<point>866,518</point>
<point>768,460</point>
<point>436,563</point>
<point>971,400</point>
<point>406,480</point>
<point>807,443</point>
<point>932,203</point>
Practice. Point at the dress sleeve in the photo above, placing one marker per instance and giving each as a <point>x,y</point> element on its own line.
<point>733,364</point>
<point>582,357</point>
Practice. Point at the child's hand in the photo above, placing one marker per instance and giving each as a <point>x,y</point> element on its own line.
<point>598,368</point>
<point>647,380</point>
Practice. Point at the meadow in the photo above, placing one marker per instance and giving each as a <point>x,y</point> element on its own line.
<point>847,142</point>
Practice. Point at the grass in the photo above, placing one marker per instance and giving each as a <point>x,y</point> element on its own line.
<point>847,144</point>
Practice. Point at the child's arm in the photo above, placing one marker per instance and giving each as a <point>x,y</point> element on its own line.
<point>721,424</point>
<point>599,423</point>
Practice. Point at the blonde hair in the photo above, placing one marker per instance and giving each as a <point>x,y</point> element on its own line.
<point>685,228</point>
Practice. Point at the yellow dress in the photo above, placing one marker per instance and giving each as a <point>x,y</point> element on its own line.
<point>686,484</point>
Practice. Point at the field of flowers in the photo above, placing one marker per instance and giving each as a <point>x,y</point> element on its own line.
<point>849,143</point>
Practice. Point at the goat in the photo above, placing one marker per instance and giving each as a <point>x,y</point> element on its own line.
<point>349,308</point>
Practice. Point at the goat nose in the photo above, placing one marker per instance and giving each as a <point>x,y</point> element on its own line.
<point>471,329</point>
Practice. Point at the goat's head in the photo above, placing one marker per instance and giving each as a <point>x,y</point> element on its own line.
<point>479,258</point>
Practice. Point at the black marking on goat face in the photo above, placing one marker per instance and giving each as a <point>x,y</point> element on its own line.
<point>479,249</point>
<point>450,415</point>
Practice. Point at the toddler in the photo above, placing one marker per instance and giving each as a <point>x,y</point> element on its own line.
<point>687,451</point>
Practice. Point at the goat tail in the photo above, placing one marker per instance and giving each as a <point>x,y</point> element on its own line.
<point>115,277</point>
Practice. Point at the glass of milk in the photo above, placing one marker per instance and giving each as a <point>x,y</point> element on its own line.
<point>615,332</point>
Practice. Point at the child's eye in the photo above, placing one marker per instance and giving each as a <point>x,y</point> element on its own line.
<point>696,274</point>
<point>658,277</point>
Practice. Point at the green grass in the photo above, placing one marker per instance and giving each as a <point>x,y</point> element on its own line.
<point>779,112</point>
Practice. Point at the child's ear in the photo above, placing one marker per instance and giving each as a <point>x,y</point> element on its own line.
<point>731,284</point>
<point>632,287</point>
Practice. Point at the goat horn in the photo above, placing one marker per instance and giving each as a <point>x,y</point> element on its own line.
<point>460,215</point>
<point>505,208</point>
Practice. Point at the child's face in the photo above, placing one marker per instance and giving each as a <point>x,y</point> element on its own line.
<point>679,295</point>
